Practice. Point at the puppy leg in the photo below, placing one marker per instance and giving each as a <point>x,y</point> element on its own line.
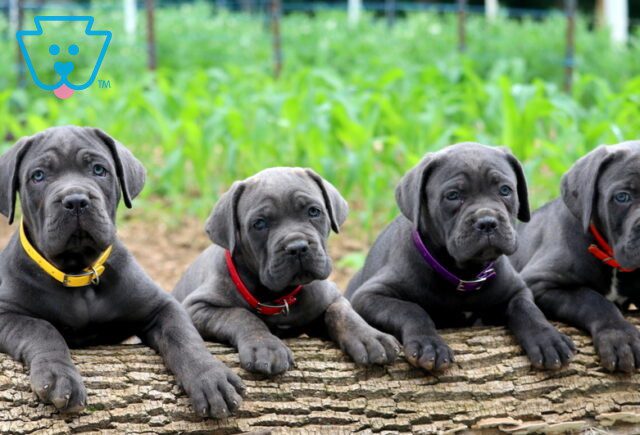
<point>407,321</point>
<point>259,350</point>
<point>42,348</point>
<point>545,346</point>
<point>616,340</point>
<point>214,389</point>
<point>360,341</point>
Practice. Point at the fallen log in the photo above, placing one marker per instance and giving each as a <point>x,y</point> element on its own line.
<point>491,390</point>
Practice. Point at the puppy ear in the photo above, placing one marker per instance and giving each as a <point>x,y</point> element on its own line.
<point>130,172</point>
<point>409,190</point>
<point>336,205</point>
<point>524,214</point>
<point>222,226</point>
<point>579,185</point>
<point>10,176</point>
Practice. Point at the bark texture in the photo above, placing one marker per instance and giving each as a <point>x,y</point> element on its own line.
<point>492,390</point>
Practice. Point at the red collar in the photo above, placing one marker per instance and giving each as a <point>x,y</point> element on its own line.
<point>278,306</point>
<point>604,252</point>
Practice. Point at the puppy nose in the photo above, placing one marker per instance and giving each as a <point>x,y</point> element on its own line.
<point>75,202</point>
<point>486,224</point>
<point>297,247</point>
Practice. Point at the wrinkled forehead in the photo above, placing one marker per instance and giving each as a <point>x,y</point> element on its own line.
<point>278,191</point>
<point>622,172</point>
<point>474,165</point>
<point>54,146</point>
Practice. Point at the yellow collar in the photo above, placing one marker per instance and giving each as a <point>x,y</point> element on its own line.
<point>91,274</point>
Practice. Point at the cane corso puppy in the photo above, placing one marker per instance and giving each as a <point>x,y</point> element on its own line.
<point>580,253</point>
<point>266,274</point>
<point>443,262</point>
<point>67,281</point>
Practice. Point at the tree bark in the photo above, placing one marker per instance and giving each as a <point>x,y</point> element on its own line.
<point>492,390</point>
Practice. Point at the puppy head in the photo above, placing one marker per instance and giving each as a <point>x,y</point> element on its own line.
<point>466,198</point>
<point>280,220</point>
<point>603,187</point>
<point>69,181</point>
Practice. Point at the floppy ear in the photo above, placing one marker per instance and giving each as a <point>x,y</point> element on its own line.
<point>222,225</point>
<point>336,205</point>
<point>580,184</point>
<point>409,190</point>
<point>524,214</point>
<point>10,176</point>
<point>130,172</point>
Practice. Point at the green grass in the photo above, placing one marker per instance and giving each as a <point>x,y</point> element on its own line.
<point>360,106</point>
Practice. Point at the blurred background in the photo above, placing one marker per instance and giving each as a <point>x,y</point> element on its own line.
<point>206,92</point>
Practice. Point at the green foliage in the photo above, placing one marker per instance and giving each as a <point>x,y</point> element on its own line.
<point>360,105</point>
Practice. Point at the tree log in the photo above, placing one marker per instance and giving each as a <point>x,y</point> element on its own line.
<point>491,390</point>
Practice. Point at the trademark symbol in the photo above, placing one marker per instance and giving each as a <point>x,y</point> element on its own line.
<point>104,84</point>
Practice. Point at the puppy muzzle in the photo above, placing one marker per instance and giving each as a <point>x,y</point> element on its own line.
<point>482,236</point>
<point>298,261</point>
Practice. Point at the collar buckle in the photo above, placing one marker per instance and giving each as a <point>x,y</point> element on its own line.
<point>93,273</point>
<point>475,284</point>
<point>284,308</point>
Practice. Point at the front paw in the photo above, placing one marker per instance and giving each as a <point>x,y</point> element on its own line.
<point>265,355</point>
<point>429,352</point>
<point>60,384</point>
<point>367,346</point>
<point>215,392</point>
<point>547,348</point>
<point>618,347</point>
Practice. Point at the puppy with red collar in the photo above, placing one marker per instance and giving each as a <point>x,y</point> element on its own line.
<point>266,274</point>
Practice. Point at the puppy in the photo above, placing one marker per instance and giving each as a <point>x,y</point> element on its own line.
<point>442,262</point>
<point>266,275</point>
<point>66,279</point>
<point>581,252</point>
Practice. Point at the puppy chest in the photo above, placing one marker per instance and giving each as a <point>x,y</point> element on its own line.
<point>624,289</point>
<point>83,306</point>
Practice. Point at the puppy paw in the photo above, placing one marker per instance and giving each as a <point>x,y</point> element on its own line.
<point>618,347</point>
<point>265,355</point>
<point>429,352</point>
<point>367,346</point>
<point>215,392</point>
<point>60,384</point>
<point>548,349</point>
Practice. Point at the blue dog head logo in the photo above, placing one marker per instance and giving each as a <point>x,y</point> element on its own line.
<point>58,64</point>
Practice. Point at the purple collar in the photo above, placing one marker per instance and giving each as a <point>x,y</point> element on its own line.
<point>461,285</point>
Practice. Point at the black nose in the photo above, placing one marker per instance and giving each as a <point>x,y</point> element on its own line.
<point>76,202</point>
<point>486,225</point>
<point>297,247</point>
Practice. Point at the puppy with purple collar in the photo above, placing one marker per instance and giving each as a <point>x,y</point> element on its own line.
<point>266,274</point>
<point>443,262</point>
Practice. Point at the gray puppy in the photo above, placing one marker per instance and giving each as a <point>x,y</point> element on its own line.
<point>442,264</point>
<point>266,275</point>
<point>566,259</point>
<point>66,280</point>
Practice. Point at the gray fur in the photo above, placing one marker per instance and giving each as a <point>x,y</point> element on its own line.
<point>69,217</point>
<point>270,266</point>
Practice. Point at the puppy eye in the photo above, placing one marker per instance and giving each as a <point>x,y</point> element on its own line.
<point>260,224</point>
<point>99,170</point>
<point>314,212</point>
<point>505,190</point>
<point>453,195</point>
<point>622,197</point>
<point>38,176</point>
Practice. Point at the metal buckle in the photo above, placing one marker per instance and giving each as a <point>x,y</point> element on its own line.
<point>476,281</point>
<point>94,280</point>
<point>284,308</point>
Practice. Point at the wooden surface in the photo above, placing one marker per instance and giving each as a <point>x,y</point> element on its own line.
<point>492,390</point>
